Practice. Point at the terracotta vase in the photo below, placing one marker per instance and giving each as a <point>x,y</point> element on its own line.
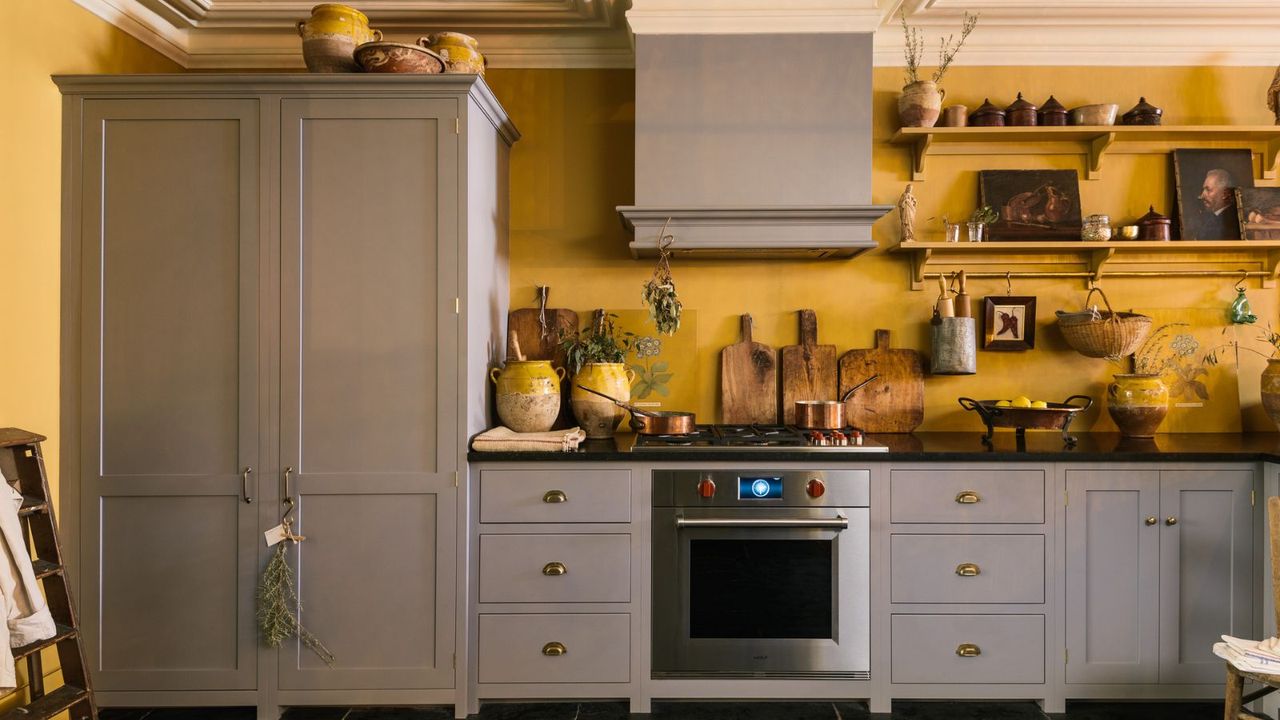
<point>1137,403</point>
<point>528,394</point>
<point>598,417</point>
<point>330,36</point>
<point>1271,390</point>
<point>920,103</point>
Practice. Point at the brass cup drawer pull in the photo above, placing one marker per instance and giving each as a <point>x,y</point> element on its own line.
<point>553,569</point>
<point>554,649</point>
<point>968,570</point>
<point>968,497</point>
<point>968,650</point>
<point>555,496</point>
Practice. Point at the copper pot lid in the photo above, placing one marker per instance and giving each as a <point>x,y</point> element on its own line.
<point>1020,105</point>
<point>1143,109</point>
<point>1153,218</point>
<point>1053,106</point>
<point>986,108</point>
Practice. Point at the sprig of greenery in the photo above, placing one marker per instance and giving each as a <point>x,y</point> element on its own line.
<point>948,47</point>
<point>947,53</point>
<point>914,48</point>
<point>276,599</point>
<point>985,214</point>
<point>597,343</point>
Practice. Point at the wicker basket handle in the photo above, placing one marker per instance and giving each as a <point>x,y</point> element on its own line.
<point>1112,313</point>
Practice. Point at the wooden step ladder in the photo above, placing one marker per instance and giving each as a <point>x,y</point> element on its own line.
<point>21,461</point>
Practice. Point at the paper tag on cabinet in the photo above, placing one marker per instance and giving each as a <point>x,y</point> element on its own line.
<point>275,535</point>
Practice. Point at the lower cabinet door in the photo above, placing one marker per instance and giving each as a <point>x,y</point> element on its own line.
<point>968,649</point>
<point>585,648</point>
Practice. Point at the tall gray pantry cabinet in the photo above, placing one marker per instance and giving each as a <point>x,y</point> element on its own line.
<point>276,286</point>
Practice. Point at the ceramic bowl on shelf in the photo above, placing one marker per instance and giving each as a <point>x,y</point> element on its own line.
<point>392,57</point>
<point>1099,114</point>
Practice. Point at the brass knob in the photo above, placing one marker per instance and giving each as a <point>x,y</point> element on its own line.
<point>968,650</point>
<point>968,570</point>
<point>1171,520</point>
<point>554,568</point>
<point>968,497</point>
<point>1151,520</point>
<point>554,649</point>
<point>555,496</point>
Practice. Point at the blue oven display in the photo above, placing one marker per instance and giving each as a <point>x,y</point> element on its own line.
<point>759,488</point>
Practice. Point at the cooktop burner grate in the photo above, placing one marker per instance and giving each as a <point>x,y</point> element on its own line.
<point>755,437</point>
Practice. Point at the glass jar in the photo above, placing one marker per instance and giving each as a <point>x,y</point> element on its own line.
<point>1097,228</point>
<point>977,231</point>
<point>952,231</point>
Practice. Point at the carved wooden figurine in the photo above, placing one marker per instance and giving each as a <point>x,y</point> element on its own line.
<point>907,214</point>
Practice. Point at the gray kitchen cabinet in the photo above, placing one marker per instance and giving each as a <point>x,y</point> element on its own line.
<point>1159,563</point>
<point>275,286</point>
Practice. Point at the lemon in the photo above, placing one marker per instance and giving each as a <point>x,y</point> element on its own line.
<point>1002,403</point>
<point>1021,401</point>
<point>1039,404</point>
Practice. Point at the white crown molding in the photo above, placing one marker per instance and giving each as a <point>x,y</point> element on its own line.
<point>742,17</point>
<point>144,25</point>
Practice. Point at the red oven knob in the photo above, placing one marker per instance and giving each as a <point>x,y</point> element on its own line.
<point>706,488</point>
<point>816,488</point>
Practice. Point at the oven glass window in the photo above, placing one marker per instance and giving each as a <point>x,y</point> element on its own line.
<point>761,588</point>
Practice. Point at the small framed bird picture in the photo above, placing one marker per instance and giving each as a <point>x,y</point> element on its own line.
<point>1009,322</point>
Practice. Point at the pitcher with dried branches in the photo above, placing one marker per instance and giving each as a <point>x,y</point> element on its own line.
<point>921,100</point>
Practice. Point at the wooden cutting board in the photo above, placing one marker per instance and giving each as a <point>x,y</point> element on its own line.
<point>525,327</point>
<point>808,369</point>
<point>894,403</point>
<point>748,381</point>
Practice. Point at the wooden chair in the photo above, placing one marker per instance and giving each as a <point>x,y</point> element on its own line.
<point>1236,699</point>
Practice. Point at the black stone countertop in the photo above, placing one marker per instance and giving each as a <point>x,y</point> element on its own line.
<point>1044,446</point>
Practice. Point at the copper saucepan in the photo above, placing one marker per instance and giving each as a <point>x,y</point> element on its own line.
<point>653,422</point>
<point>825,414</point>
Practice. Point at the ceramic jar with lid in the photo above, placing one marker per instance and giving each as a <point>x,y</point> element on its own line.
<point>1052,113</point>
<point>1154,226</point>
<point>987,115</point>
<point>330,36</point>
<point>1021,113</point>
<point>1096,228</point>
<point>1144,113</point>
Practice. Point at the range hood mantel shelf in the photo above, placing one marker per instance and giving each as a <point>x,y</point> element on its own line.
<point>816,231</point>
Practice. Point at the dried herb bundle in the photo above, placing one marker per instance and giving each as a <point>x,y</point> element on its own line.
<point>914,47</point>
<point>276,596</point>
<point>660,291</point>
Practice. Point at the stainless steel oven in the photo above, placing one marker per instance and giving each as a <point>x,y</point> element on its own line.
<point>761,573</point>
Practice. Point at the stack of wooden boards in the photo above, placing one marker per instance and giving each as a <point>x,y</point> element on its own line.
<point>751,385</point>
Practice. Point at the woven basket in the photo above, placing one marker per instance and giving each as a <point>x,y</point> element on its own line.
<point>1107,334</point>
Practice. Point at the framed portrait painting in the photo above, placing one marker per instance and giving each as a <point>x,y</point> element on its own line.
<point>1032,204</point>
<point>1206,182</point>
<point>1259,213</point>
<point>1009,322</point>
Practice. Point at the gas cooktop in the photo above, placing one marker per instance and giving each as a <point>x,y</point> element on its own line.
<point>762,437</point>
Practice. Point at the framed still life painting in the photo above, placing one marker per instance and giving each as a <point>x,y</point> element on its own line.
<point>1206,182</point>
<point>1032,204</point>
<point>1009,322</point>
<point>1259,212</point>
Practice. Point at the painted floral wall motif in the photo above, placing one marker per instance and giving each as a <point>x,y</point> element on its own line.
<point>666,366</point>
<point>1202,392</point>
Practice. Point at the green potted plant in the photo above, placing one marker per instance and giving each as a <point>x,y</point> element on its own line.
<point>978,222</point>
<point>595,357</point>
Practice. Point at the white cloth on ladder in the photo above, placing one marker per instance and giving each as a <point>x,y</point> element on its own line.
<point>27,615</point>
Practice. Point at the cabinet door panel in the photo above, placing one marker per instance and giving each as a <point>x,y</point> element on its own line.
<point>1112,576</point>
<point>1206,562</point>
<point>369,398</point>
<point>169,388</point>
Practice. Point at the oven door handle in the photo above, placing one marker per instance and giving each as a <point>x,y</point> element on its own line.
<point>839,522</point>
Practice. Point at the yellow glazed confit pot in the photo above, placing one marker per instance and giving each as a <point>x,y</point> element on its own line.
<point>330,36</point>
<point>1138,403</point>
<point>595,415</point>
<point>528,394</point>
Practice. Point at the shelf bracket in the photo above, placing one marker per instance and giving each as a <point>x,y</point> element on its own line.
<point>1097,259</point>
<point>918,153</point>
<point>1097,148</point>
<point>919,259</point>
<point>1269,159</point>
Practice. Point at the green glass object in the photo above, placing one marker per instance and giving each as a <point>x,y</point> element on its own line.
<point>1241,313</point>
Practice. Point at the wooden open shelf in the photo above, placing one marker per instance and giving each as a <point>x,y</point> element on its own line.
<point>1094,142</point>
<point>1091,261</point>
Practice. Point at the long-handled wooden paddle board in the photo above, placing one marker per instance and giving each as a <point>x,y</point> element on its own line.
<point>748,381</point>
<point>894,403</point>
<point>808,369</point>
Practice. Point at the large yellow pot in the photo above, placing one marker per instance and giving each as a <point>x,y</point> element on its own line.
<point>330,37</point>
<point>1138,403</point>
<point>595,415</point>
<point>1271,389</point>
<point>461,53</point>
<point>528,394</point>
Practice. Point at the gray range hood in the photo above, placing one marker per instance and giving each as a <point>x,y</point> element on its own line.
<point>753,145</point>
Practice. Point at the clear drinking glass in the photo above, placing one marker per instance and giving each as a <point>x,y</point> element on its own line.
<point>977,231</point>
<point>952,232</point>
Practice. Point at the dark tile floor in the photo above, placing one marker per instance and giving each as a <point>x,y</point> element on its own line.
<point>713,711</point>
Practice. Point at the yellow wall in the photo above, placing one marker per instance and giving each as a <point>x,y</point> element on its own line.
<point>50,37</point>
<point>574,164</point>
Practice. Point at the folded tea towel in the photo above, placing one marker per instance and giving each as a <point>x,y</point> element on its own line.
<point>504,439</point>
<point>26,614</point>
<point>1256,656</point>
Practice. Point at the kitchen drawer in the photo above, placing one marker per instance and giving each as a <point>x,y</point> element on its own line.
<point>1011,646</point>
<point>513,568</point>
<point>597,648</point>
<point>528,496</point>
<point>994,496</point>
<point>924,568</point>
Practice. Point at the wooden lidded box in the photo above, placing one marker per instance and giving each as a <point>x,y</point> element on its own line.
<point>987,115</point>
<point>1053,113</point>
<point>1144,113</point>
<point>1154,226</point>
<point>1021,113</point>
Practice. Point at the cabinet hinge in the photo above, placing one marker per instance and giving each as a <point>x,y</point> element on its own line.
<point>455,661</point>
<point>1066,656</point>
<point>1251,497</point>
<point>457,126</point>
<point>455,479</point>
<point>457,306</point>
<point>1066,499</point>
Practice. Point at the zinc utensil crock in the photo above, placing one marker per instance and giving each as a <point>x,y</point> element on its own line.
<point>330,36</point>
<point>596,416</point>
<point>528,394</point>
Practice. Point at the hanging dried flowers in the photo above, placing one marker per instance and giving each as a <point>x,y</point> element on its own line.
<point>277,596</point>
<point>660,291</point>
